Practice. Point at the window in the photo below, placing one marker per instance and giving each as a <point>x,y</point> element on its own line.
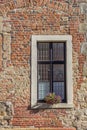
<point>51,69</point>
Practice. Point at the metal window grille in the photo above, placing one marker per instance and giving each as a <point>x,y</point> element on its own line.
<point>51,61</point>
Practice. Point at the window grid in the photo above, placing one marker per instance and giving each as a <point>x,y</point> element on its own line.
<point>52,54</point>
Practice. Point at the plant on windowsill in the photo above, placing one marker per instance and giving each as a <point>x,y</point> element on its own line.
<point>52,98</point>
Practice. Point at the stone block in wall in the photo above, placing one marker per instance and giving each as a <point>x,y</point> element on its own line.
<point>6,46</point>
<point>83,8</point>
<point>6,113</point>
<point>84,48</point>
<point>0,51</point>
<point>85,69</point>
<point>1,24</point>
<point>86,18</point>
<point>83,27</point>
<point>7,27</point>
<point>84,52</point>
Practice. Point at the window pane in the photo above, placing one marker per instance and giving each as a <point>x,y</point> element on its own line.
<point>43,51</point>
<point>58,72</point>
<point>58,89</point>
<point>58,51</point>
<point>43,72</point>
<point>50,73</point>
<point>43,90</point>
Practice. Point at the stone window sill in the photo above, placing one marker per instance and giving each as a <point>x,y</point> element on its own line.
<point>54,106</point>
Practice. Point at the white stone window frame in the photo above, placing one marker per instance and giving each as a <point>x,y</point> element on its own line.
<point>67,39</point>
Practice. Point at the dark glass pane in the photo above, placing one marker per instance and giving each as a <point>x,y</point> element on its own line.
<point>43,51</point>
<point>43,89</point>
<point>50,69</point>
<point>43,72</point>
<point>58,72</point>
<point>58,89</point>
<point>58,51</point>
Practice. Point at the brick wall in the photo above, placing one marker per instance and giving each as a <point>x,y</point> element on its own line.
<point>20,20</point>
<point>39,129</point>
<point>0,51</point>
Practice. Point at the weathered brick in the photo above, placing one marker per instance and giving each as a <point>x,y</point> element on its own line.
<point>0,51</point>
<point>19,20</point>
<point>39,129</point>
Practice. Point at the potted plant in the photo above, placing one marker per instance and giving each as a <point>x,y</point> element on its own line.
<point>52,98</point>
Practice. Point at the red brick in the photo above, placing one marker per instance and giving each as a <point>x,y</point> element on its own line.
<point>0,51</point>
<point>28,17</point>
